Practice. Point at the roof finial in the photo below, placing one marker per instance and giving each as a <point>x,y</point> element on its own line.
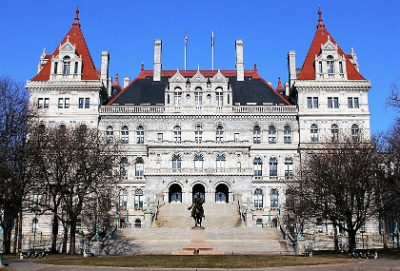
<point>320,23</point>
<point>77,16</point>
<point>116,77</point>
<point>142,67</point>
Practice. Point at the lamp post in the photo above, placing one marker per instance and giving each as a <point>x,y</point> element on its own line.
<point>396,232</point>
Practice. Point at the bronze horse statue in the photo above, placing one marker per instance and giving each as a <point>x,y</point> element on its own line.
<point>197,210</point>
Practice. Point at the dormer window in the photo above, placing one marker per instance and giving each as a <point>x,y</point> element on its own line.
<point>66,65</point>
<point>330,64</point>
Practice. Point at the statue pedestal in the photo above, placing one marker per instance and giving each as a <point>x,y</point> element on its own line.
<point>197,240</point>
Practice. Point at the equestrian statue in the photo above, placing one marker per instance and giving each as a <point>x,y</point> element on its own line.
<point>197,210</point>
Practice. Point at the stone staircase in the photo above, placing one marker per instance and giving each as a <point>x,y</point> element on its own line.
<point>224,232</point>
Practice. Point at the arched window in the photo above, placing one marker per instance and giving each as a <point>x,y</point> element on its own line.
<point>138,199</point>
<point>355,133</point>
<point>257,134</point>
<point>288,166</point>
<point>125,134</point>
<point>139,166</point>
<point>335,132</point>
<point>219,97</point>
<point>140,135</point>
<point>176,163</point>
<point>274,198</point>
<point>198,133</point>
<point>178,97</point>
<point>220,161</point>
<point>198,97</point>
<point>124,166</point>
<point>273,166</point>
<point>198,162</point>
<point>330,64</point>
<point>138,223</point>
<point>177,134</point>
<point>109,134</point>
<point>258,198</point>
<point>257,166</point>
<point>272,134</point>
<point>287,134</point>
<point>314,133</point>
<point>66,65</point>
<point>219,134</point>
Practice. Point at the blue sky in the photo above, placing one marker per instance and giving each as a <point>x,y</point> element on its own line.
<point>269,29</point>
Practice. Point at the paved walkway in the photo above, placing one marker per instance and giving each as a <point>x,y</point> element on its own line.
<point>362,265</point>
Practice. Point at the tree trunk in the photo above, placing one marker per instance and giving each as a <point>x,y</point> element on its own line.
<point>20,229</point>
<point>352,239</point>
<point>7,229</point>
<point>54,234</point>
<point>384,236</point>
<point>16,231</point>
<point>336,237</point>
<point>72,237</point>
<point>65,239</point>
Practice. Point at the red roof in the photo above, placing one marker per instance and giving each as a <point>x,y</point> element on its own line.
<point>116,83</point>
<point>279,87</point>
<point>75,37</point>
<point>321,37</point>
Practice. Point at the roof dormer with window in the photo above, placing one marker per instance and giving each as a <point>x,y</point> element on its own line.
<point>329,64</point>
<point>67,64</point>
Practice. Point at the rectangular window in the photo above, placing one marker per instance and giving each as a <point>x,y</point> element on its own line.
<point>336,102</point>
<point>138,201</point>
<point>76,68</point>
<point>160,137</point>
<point>330,104</point>
<point>46,103</point>
<point>40,103</point>
<point>356,103</point>
<point>66,104</point>
<point>60,102</point>
<point>80,102</point>
<point>315,102</point>
<point>312,102</point>
<point>236,137</point>
<point>341,67</point>
<point>55,68</point>
<point>309,102</point>
<point>350,102</point>
<point>87,102</point>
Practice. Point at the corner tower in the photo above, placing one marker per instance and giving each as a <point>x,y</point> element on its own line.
<point>67,88</point>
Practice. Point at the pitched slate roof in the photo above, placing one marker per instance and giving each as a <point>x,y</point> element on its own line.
<point>321,37</point>
<point>253,89</point>
<point>75,37</point>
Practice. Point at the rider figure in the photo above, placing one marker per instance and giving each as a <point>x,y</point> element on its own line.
<point>197,206</point>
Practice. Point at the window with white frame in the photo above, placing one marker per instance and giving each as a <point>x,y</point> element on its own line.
<point>273,166</point>
<point>258,198</point>
<point>256,134</point>
<point>138,202</point>
<point>312,102</point>
<point>239,167</point>
<point>124,166</point>
<point>35,225</point>
<point>160,137</point>
<point>66,65</point>
<point>353,102</point>
<point>198,97</point>
<point>288,166</point>
<point>60,103</point>
<point>198,162</point>
<point>40,103</point>
<point>220,162</point>
<point>109,134</point>
<point>177,134</point>
<point>355,132</point>
<point>219,134</point>
<point>125,134</point>
<point>335,132</point>
<point>287,134</point>
<point>198,133</point>
<point>139,166</point>
<point>46,103</point>
<point>272,134</point>
<point>178,97</point>
<point>236,137</point>
<point>330,64</point>
<point>140,134</point>
<point>81,101</point>
<point>219,97</point>
<point>123,199</point>
<point>314,133</point>
<point>274,198</point>
<point>333,102</point>
<point>87,102</point>
<point>257,166</point>
<point>176,163</point>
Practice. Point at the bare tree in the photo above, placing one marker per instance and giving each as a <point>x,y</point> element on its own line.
<point>13,177</point>
<point>336,184</point>
<point>394,97</point>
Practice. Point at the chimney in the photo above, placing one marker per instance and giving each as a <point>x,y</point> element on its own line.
<point>127,80</point>
<point>292,68</point>
<point>239,60</point>
<point>157,60</point>
<point>105,63</point>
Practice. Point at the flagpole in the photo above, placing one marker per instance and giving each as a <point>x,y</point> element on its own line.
<point>186,41</point>
<point>212,49</point>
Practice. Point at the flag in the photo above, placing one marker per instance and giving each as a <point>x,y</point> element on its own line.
<point>186,39</point>
<point>212,39</point>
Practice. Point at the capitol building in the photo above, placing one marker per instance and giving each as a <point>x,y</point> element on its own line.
<point>227,136</point>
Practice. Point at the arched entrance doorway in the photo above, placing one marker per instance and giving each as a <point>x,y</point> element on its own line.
<point>175,193</point>
<point>222,193</point>
<point>198,188</point>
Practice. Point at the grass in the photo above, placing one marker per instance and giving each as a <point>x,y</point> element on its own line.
<point>208,261</point>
